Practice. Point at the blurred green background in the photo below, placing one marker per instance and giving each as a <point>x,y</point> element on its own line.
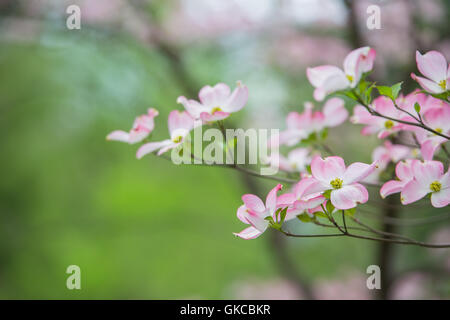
<point>147,229</point>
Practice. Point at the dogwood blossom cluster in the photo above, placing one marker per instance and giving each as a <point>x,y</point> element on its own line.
<point>328,79</point>
<point>416,179</point>
<point>413,129</point>
<point>330,186</point>
<point>301,125</point>
<point>330,180</point>
<point>215,103</point>
<point>304,127</point>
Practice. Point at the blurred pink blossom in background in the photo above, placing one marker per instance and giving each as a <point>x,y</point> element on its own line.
<point>350,287</point>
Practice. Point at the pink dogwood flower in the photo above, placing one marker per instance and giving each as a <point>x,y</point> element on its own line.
<point>331,174</point>
<point>425,102</point>
<point>386,154</point>
<point>328,79</point>
<point>298,202</point>
<point>429,177</point>
<point>433,103</point>
<point>439,120</point>
<point>390,152</point>
<point>180,124</point>
<point>436,71</point>
<point>301,125</point>
<point>254,212</point>
<point>404,173</point>
<point>142,127</point>
<point>296,160</point>
<point>216,103</point>
<point>383,127</point>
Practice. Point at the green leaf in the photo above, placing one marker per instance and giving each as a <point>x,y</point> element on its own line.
<point>350,94</point>
<point>276,226</point>
<point>362,86</point>
<point>327,194</point>
<point>385,91</point>
<point>442,96</point>
<point>417,107</point>
<point>391,92</point>
<point>320,214</point>
<point>324,134</point>
<point>330,207</point>
<point>276,214</point>
<point>368,94</point>
<point>350,212</point>
<point>396,90</point>
<point>283,215</point>
<point>311,138</point>
<point>305,218</point>
<point>308,168</point>
<point>272,223</point>
<point>270,219</point>
<point>366,74</point>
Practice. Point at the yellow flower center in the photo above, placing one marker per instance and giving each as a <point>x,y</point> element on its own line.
<point>435,186</point>
<point>177,139</point>
<point>349,77</point>
<point>215,109</point>
<point>443,84</point>
<point>336,183</point>
<point>388,124</point>
<point>438,130</point>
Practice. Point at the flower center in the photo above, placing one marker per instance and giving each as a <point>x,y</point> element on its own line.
<point>443,84</point>
<point>388,124</point>
<point>435,186</point>
<point>438,130</point>
<point>336,183</point>
<point>177,139</point>
<point>215,109</point>
<point>349,77</point>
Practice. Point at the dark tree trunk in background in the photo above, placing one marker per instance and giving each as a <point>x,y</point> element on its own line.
<point>386,250</point>
<point>277,242</point>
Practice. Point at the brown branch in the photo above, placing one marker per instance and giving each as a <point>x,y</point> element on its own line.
<point>416,124</point>
<point>358,236</point>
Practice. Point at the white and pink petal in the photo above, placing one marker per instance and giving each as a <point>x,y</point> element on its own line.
<point>248,233</point>
<point>349,196</point>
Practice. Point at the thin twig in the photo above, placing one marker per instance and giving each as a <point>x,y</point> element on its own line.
<point>416,124</point>
<point>407,222</point>
<point>311,235</point>
<point>352,235</point>
<point>343,220</point>
<point>379,232</point>
<point>397,240</point>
